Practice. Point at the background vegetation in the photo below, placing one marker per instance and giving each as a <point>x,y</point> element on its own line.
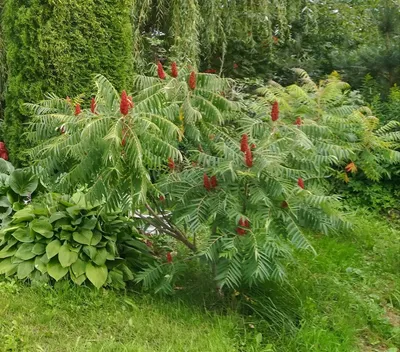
<point>223,166</point>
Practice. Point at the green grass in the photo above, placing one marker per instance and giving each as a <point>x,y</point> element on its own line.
<point>65,319</point>
<point>347,298</point>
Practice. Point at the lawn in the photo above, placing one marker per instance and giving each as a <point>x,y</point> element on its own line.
<point>347,298</point>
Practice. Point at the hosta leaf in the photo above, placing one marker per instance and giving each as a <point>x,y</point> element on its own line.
<point>89,224</point>
<point>7,253</point>
<point>79,280</point>
<point>65,235</point>
<point>23,235</point>
<point>39,265</point>
<point>6,266</point>
<point>57,216</point>
<point>5,207</point>
<point>96,238</point>
<point>79,267</point>
<point>53,248</point>
<point>83,236</point>
<point>39,248</point>
<point>43,227</point>
<point>90,251</point>
<point>23,182</point>
<point>56,270</point>
<point>25,251</point>
<point>100,257</point>
<point>66,256</point>
<point>23,215</point>
<point>97,275</point>
<point>25,268</point>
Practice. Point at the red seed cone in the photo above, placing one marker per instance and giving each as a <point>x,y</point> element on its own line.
<point>253,146</point>
<point>93,106</point>
<point>160,70</point>
<point>240,230</point>
<point>169,257</point>
<point>77,109</point>
<point>124,105</point>
<point>174,70</point>
<point>161,198</point>
<point>298,121</point>
<point>206,182</point>
<point>62,129</point>
<point>214,182</point>
<point>244,143</point>
<point>275,111</point>
<point>284,204</point>
<point>192,80</point>
<point>300,183</point>
<point>249,158</point>
<point>4,155</point>
<point>171,164</point>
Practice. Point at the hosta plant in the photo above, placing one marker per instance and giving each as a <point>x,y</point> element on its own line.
<point>16,189</point>
<point>64,237</point>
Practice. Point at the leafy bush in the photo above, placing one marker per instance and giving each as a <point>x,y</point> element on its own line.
<point>238,183</point>
<point>69,238</point>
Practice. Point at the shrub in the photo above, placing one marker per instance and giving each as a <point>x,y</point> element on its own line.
<point>64,236</point>
<point>57,47</point>
<point>238,184</point>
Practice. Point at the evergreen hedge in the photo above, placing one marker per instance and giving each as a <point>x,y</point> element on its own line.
<point>57,46</point>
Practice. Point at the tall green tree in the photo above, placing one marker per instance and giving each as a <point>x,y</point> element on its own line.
<point>56,46</point>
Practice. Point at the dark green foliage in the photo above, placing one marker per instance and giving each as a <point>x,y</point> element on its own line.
<point>55,46</point>
<point>64,236</point>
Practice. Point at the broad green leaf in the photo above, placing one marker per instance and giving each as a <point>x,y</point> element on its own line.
<point>39,265</point>
<point>43,227</point>
<point>90,251</point>
<point>39,248</point>
<point>25,268</point>
<point>40,211</point>
<point>6,167</point>
<point>7,266</point>
<point>97,275</point>
<point>79,267</point>
<point>56,270</point>
<point>57,216</point>
<point>97,236</point>
<point>83,236</point>
<point>25,251</point>
<point>78,280</point>
<point>65,235</point>
<point>89,224</point>
<point>44,258</point>
<point>53,248</point>
<point>25,214</point>
<point>5,207</point>
<point>100,257</point>
<point>23,235</point>
<point>68,228</point>
<point>23,182</point>
<point>66,256</point>
<point>7,253</point>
